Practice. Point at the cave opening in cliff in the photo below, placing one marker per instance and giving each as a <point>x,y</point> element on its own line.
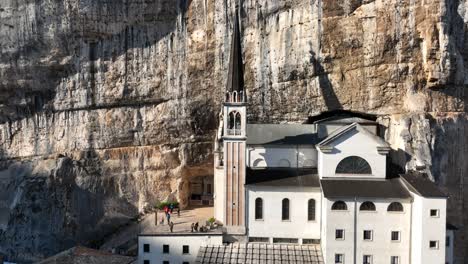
<point>200,191</point>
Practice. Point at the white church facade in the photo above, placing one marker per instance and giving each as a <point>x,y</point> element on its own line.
<point>327,184</point>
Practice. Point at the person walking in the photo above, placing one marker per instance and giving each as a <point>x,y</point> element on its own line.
<point>168,215</point>
<point>192,227</point>
<point>171,207</point>
<point>171,226</point>
<point>196,227</point>
<point>178,211</point>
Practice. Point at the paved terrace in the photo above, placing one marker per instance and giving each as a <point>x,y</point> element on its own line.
<point>126,238</point>
<point>182,223</point>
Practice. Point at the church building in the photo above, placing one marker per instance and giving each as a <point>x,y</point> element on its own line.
<point>327,185</point>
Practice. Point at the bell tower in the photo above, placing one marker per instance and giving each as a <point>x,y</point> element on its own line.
<point>234,136</point>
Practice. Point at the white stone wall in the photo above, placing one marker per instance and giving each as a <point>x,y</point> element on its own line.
<point>352,144</point>
<point>297,156</point>
<point>194,241</point>
<point>381,222</point>
<point>427,228</point>
<point>272,226</point>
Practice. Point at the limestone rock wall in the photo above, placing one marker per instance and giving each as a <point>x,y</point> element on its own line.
<point>109,106</point>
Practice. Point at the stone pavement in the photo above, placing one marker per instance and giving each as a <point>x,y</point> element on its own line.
<point>182,223</point>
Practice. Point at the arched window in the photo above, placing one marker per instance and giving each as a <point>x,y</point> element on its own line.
<point>339,205</point>
<point>284,163</point>
<point>395,207</point>
<point>238,121</point>
<point>311,210</point>
<point>231,121</point>
<point>285,209</point>
<point>353,165</point>
<point>367,206</point>
<point>258,208</point>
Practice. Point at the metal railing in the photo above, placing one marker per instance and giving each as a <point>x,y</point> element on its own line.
<point>234,132</point>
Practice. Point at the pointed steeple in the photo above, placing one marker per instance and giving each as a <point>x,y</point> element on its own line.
<point>236,66</point>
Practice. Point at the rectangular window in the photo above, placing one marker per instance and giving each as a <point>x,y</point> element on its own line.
<point>367,235</point>
<point>146,261</point>
<point>146,248</point>
<point>166,249</point>
<point>285,210</point>
<point>185,262</point>
<point>395,235</point>
<point>259,239</point>
<point>367,259</point>
<point>434,244</point>
<point>434,213</point>
<point>339,258</point>
<point>185,249</point>
<point>339,234</point>
<point>447,241</point>
<point>308,241</point>
<point>394,260</point>
<point>165,262</point>
<point>285,240</point>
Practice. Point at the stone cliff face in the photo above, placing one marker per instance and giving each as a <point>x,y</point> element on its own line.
<point>108,106</point>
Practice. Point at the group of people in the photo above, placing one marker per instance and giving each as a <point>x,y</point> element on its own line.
<point>194,228</point>
<point>168,210</point>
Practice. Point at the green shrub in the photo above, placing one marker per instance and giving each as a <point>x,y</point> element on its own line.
<point>212,220</point>
<point>161,205</point>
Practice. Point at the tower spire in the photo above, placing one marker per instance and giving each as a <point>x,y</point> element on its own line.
<point>236,71</point>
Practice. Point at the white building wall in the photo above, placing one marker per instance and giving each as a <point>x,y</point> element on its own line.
<point>338,220</point>
<point>297,156</point>
<point>175,243</point>
<point>324,224</point>
<point>271,225</point>
<point>353,144</point>
<point>427,228</point>
<point>381,222</point>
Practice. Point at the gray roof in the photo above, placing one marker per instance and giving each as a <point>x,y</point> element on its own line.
<point>83,255</point>
<point>364,188</point>
<point>344,130</point>
<point>420,184</point>
<point>345,120</point>
<point>281,134</point>
<point>283,177</point>
<point>261,253</point>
